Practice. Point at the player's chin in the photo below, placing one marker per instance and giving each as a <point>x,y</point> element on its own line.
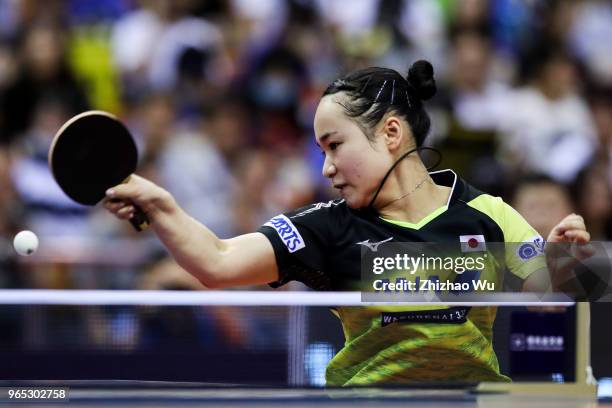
<point>354,200</point>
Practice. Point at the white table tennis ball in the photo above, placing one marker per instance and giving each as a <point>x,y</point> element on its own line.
<point>25,243</point>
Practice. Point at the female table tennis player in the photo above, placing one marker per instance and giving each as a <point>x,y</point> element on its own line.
<point>369,125</point>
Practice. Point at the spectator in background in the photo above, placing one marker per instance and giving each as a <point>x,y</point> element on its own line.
<point>153,122</point>
<point>470,15</point>
<point>267,183</point>
<point>133,40</point>
<point>253,169</point>
<point>588,38</point>
<point>601,107</point>
<point>474,102</point>
<point>591,191</point>
<point>549,128</point>
<point>8,66</point>
<point>422,23</point>
<point>254,25</point>
<point>196,164</point>
<point>273,90</point>
<point>542,201</point>
<point>43,72</point>
<point>349,21</point>
<point>164,47</point>
<point>478,101</point>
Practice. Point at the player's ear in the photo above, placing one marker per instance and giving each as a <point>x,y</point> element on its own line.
<point>393,132</point>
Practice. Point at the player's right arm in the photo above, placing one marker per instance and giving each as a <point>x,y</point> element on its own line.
<point>244,260</point>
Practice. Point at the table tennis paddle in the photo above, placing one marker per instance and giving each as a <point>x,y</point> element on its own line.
<point>92,152</point>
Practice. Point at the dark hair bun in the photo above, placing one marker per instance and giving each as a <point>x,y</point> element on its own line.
<point>420,77</point>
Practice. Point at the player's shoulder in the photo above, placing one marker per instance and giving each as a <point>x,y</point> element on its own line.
<point>487,203</point>
<point>493,207</point>
<point>502,214</point>
<point>314,220</point>
<point>331,208</point>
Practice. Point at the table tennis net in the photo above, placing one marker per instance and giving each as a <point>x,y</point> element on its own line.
<point>286,345</point>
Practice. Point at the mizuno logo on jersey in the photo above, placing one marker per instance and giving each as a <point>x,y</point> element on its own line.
<point>373,246</point>
<point>287,232</point>
<point>317,207</point>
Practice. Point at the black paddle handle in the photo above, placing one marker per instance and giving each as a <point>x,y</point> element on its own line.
<point>139,221</point>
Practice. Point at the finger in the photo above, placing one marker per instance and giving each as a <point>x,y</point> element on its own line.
<point>125,215</point>
<point>126,211</point>
<point>125,191</point>
<point>572,224</point>
<point>578,235</point>
<point>118,193</point>
<point>573,218</point>
<point>114,206</point>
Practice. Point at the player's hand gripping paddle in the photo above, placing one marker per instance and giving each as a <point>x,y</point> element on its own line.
<point>91,153</point>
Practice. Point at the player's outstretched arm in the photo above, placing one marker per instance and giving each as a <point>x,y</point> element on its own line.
<point>244,260</point>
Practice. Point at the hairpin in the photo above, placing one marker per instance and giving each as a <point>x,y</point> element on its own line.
<point>380,91</point>
<point>408,99</point>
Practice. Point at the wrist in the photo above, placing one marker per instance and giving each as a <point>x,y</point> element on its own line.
<point>162,205</point>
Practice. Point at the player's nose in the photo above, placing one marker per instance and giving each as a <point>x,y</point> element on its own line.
<point>329,169</point>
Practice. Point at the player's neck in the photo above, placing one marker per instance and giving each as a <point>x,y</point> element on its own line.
<point>411,194</point>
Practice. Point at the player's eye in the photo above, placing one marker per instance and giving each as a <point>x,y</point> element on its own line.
<point>333,145</point>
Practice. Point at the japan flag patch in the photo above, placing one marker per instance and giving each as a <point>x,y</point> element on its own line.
<point>472,243</point>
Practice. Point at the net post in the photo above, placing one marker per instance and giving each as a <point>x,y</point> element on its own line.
<point>583,342</point>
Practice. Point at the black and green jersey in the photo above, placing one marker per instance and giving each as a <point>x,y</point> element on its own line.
<point>320,245</point>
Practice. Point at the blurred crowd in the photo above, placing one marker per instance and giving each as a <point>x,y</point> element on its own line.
<point>220,95</point>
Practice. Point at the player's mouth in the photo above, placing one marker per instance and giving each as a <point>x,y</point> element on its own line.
<point>340,186</point>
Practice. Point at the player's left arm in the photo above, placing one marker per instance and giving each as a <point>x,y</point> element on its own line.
<point>568,235</point>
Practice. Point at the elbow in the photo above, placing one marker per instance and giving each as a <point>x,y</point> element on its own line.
<point>211,279</point>
<point>211,283</point>
<point>211,270</point>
